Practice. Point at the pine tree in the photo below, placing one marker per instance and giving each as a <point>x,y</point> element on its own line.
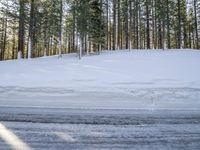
<point>196,24</point>
<point>21,33</point>
<point>34,28</point>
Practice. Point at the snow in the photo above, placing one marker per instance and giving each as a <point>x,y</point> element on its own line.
<point>137,79</point>
<point>139,68</point>
<point>105,130</point>
<point>139,99</point>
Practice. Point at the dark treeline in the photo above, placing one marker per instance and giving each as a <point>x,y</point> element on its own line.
<point>35,28</point>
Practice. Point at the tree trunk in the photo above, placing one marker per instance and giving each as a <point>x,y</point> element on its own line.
<point>196,24</point>
<point>5,39</point>
<point>119,25</point>
<point>21,29</point>
<point>126,25</point>
<point>31,24</point>
<point>60,33</point>
<point>148,30</point>
<point>179,24</point>
<point>114,24</point>
<point>168,27</point>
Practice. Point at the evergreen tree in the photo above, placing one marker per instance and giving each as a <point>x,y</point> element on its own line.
<point>35,28</point>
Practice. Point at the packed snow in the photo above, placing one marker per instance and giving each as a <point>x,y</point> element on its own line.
<point>137,79</point>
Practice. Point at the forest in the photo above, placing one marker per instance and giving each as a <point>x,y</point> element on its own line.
<point>36,28</point>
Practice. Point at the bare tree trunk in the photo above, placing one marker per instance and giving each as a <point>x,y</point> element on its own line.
<point>196,24</point>
<point>119,25</point>
<point>46,23</point>
<point>148,30</point>
<point>14,41</point>
<point>130,24</point>
<point>21,29</point>
<point>168,27</point>
<point>5,39</point>
<point>107,24</point>
<point>60,33</point>
<point>126,26</point>
<point>31,24</point>
<point>179,24</point>
<point>114,24</point>
<point>137,24</point>
<point>74,30</point>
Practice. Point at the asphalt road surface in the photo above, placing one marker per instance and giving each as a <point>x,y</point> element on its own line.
<point>65,129</point>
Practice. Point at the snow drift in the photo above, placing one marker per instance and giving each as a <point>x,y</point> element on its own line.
<point>120,79</point>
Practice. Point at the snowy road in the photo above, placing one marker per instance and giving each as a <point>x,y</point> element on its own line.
<point>102,129</point>
<point>151,118</point>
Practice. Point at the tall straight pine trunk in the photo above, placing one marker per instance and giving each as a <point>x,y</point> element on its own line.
<point>21,28</point>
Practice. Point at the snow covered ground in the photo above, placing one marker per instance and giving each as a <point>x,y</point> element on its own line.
<point>148,99</point>
<point>175,68</point>
<point>146,79</point>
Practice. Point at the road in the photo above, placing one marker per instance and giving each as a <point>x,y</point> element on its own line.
<point>125,118</point>
<point>64,129</point>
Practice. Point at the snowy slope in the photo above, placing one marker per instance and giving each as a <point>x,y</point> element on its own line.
<point>138,68</point>
<point>137,79</point>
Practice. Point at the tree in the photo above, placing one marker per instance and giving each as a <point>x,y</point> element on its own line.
<point>179,24</point>
<point>21,33</point>
<point>60,32</point>
<point>35,28</point>
<point>114,24</point>
<point>31,25</point>
<point>168,25</point>
<point>196,24</point>
<point>147,24</point>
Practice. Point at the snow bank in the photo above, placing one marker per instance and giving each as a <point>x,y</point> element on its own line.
<point>120,78</point>
<point>175,68</point>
